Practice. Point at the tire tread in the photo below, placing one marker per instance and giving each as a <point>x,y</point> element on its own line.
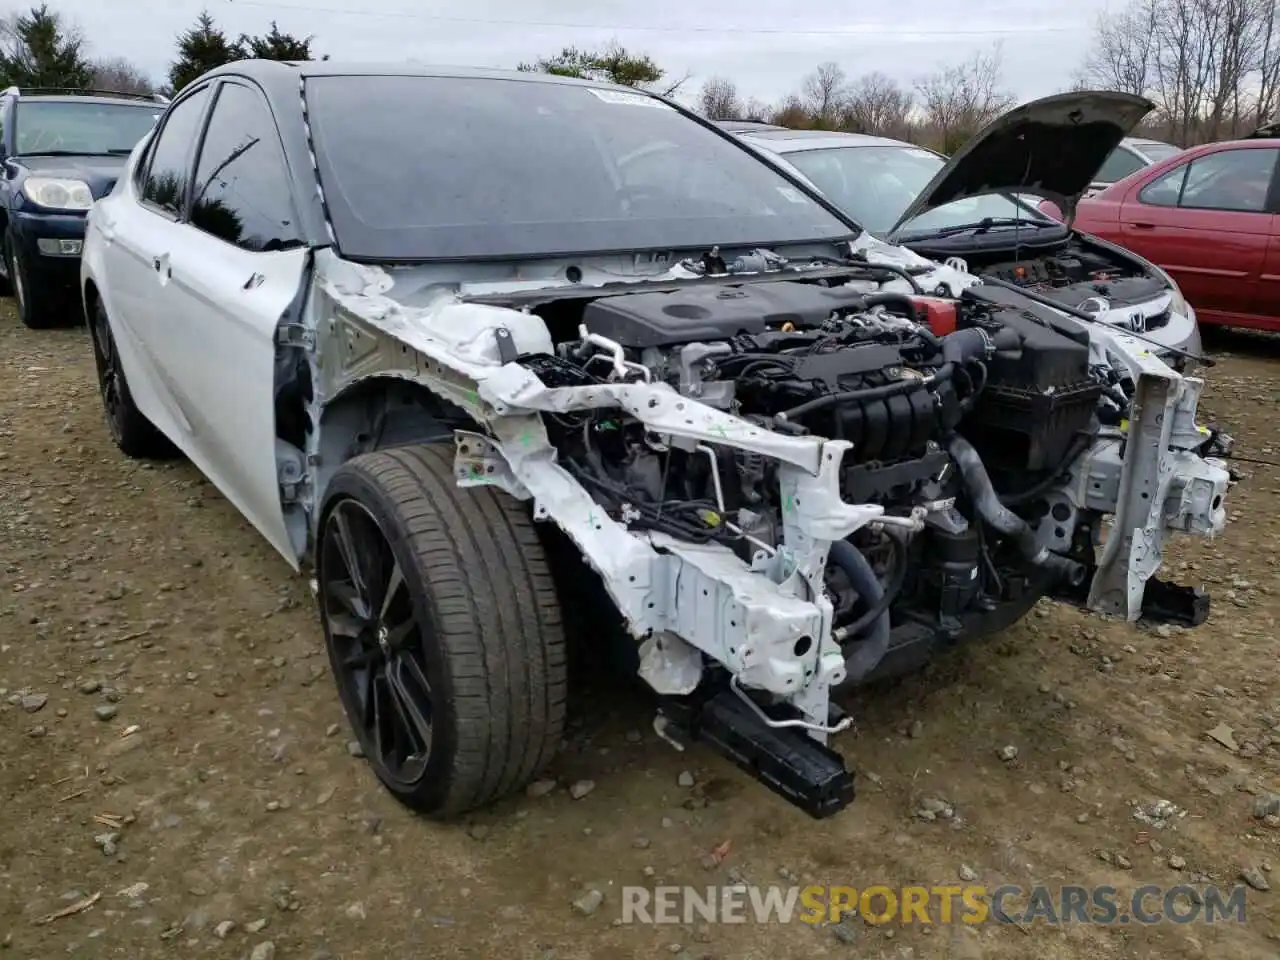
<point>481,563</point>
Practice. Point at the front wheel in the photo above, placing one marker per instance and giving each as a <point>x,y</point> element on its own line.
<point>36,304</point>
<point>443,629</point>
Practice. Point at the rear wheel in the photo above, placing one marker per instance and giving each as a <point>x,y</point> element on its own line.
<point>443,629</point>
<point>133,433</point>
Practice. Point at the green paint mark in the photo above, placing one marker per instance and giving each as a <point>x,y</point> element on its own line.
<point>720,430</point>
<point>789,504</point>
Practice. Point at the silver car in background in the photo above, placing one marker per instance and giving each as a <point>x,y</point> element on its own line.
<point>977,211</point>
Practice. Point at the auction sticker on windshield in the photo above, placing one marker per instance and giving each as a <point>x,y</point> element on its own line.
<point>630,99</point>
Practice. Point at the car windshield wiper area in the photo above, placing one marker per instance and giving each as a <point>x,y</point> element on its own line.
<point>76,153</point>
<point>985,224</point>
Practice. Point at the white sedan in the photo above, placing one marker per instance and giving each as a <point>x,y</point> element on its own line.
<point>474,346</point>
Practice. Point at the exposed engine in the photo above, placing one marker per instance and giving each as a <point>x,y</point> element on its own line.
<point>786,485</point>
<point>960,434</point>
<point>1076,272</point>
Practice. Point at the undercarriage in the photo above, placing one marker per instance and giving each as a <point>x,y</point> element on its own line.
<point>799,481</point>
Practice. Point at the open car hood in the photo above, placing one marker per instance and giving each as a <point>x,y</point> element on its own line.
<point>1051,148</point>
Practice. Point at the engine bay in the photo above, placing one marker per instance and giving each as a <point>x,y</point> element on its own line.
<point>792,483</point>
<point>1072,272</point>
<point>1008,388</point>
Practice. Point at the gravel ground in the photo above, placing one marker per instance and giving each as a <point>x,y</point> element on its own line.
<point>172,745</point>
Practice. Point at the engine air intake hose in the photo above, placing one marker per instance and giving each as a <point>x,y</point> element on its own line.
<point>1000,518</point>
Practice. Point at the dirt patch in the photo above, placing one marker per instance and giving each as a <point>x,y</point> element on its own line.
<point>136,599</point>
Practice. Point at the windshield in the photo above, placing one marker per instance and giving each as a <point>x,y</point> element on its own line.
<point>875,185</point>
<point>426,168</point>
<point>1159,151</point>
<point>82,126</point>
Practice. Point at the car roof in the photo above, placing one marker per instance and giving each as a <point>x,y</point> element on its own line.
<point>747,126</point>
<point>78,98</point>
<point>790,141</point>
<point>272,72</point>
<point>1144,141</point>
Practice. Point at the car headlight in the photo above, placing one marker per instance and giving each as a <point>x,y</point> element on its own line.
<point>58,194</point>
<point>1177,302</point>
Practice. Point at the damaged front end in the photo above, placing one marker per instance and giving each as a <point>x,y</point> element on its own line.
<point>787,484</point>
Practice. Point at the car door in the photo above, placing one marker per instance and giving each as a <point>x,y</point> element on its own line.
<point>137,225</point>
<point>233,272</point>
<point>1207,222</point>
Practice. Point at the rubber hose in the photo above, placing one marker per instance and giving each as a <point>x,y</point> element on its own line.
<point>1000,518</point>
<point>869,634</point>
<point>889,299</point>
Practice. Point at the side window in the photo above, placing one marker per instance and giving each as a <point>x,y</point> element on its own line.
<point>1237,180</point>
<point>242,192</point>
<point>1165,189</point>
<point>1119,165</point>
<point>168,168</point>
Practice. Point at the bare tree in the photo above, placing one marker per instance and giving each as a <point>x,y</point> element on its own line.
<point>756,110</point>
<point>1237,54</point>
<point>876,104</point>
<point>118,75</point>
<point>823,94</point>
<point>1268,74</point>
<point>1124,48</point>
<point>718,100</point>
<point>1212,66</point>
<point>1187,32</point>
<point>958,100</point>
<point>792,112</point>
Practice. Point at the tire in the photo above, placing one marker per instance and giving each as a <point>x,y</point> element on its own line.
<point>134,434</point>
<point>37,307</point>
<point>465,648</point>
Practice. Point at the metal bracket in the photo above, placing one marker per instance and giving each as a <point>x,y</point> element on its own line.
<point>295,335</point>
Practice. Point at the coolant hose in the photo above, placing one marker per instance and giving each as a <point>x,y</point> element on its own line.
<point>868,638</point>
<point>888,299</point>
<point>1000,518</point>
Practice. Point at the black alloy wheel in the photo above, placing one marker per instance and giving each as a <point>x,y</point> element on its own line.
<point>376,643</point>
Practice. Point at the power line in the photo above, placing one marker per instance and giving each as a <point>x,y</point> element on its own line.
<point>856,30</point>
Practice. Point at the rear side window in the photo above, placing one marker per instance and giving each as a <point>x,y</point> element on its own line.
<point>1237,180</point>
<point>242,190</point>
<point>1119,165</point>
<point>1230,180</point>
<point>165,184</point>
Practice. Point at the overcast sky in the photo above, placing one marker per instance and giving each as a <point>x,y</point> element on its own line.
<point>764,49</point>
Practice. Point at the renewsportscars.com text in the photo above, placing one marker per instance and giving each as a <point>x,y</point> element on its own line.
<point>970,904</point>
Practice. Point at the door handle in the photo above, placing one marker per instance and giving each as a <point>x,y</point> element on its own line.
<point>1142,225</point>
<point>161,263</point>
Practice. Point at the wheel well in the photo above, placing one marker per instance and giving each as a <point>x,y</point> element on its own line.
<point>375,414</point>
<point>90,302</point>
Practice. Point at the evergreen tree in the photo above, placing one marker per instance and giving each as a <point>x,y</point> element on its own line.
<point>38,51</point>
<point>611,64</point>
<point>201,49</point>
<point>276,46</point>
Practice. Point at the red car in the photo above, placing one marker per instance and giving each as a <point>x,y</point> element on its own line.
<point>1209,216</point>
